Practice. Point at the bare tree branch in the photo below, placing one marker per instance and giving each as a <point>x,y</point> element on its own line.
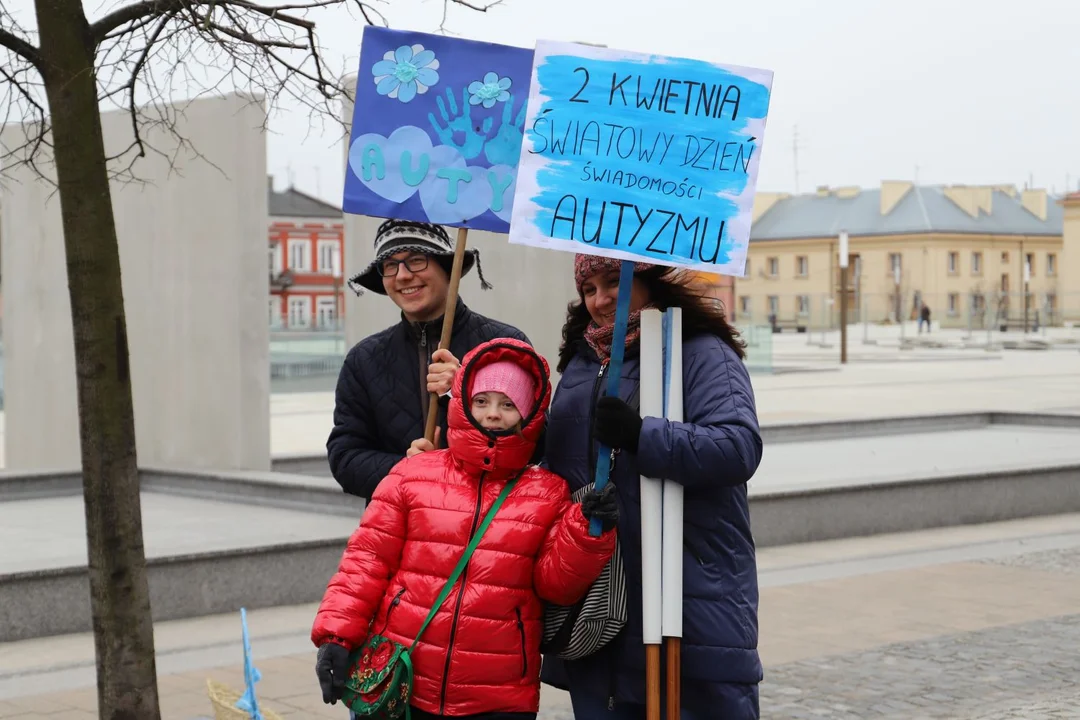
<point>150,54</point>
<point>20,47</point>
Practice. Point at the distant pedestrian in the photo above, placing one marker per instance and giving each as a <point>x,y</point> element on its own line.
<point>924,317</point>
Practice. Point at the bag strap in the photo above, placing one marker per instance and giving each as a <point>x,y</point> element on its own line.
<point>452,580</point>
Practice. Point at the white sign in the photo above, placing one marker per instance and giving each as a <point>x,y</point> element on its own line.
<point>640,157</point>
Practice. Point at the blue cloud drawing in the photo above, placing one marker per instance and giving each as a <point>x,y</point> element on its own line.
<point>404,73</point>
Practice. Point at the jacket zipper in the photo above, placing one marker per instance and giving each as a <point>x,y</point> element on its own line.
<point>461,595</point>
<point>521,631</point>
<point>393,604</point>
<point>592,412</point>
<point>423,355</point>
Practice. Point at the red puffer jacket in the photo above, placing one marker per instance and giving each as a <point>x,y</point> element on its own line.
<point>481,652</point>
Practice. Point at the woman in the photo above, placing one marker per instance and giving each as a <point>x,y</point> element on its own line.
<point>712,454</point>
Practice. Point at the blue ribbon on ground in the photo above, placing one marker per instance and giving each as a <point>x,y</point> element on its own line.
<point>247,701</point>
<point>614,372</point>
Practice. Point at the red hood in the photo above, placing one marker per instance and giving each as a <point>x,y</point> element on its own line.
<point>502,453</point>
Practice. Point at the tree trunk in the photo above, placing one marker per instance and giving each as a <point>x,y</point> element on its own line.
<point>119,595</point>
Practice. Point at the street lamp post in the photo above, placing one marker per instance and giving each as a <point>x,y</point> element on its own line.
<point>899,300</point>
<point>1027,280</point>
<point>844,255</point>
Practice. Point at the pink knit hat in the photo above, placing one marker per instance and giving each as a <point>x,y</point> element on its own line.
<point>585,266</point>
<point>510,379</point>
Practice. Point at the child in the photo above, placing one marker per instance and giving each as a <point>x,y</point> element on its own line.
<point>479,658</point>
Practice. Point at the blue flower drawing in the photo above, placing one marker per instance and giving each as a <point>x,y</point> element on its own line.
<point>493,89</point>
<point>404,73</point>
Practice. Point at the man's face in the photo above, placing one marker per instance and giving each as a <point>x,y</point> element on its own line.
<point>420,292</point>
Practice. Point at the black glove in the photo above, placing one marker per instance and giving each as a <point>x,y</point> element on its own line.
<point>331,666</point>
<point>603,505</point>
<point>616,424</point>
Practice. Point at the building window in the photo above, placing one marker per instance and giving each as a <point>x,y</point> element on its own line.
<point>978,304</point>
<point>275,258</point>
<point>896,263</point>
<point>954,263</point>
<point>326,313</point>
<point>1051,306</point>
<point>747,266</point>
<point>954,304</point>
<point>1051,264</point>
<point>804,305</point>
<point>1029,264</point>
<point>976,263</point>
<point>299,312</point>
<point>774,267</point>
<point>300,255</point>
<point>744,305</point>
<point>802,266</point>
<point>329,256</point>
<point>774,305</point>
<point>1005,256</point>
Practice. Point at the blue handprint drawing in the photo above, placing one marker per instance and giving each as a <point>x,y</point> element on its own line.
<point>505,147</point>
<point>474,137</point>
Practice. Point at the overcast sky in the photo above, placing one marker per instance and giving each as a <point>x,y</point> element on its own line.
<point>957,91</point>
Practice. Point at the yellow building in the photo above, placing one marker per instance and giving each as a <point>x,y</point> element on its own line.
<point>974,255</point>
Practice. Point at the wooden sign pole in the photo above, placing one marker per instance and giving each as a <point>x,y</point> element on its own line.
<point>448,325</point>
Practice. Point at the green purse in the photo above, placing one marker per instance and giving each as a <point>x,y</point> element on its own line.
<point>379,685</point>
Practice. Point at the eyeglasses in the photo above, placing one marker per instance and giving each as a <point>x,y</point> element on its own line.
<point>415,263</point>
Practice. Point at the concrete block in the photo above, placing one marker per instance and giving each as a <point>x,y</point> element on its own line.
<point>193,256</point>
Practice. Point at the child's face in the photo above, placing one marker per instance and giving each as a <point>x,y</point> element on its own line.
<point>494,411</point>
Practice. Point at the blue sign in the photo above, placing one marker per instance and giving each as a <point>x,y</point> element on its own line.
<point>437,129</point>
<point>641,157</point>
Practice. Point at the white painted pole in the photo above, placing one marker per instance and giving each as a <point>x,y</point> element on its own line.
<point>652,490</point>
<point>672,563</point>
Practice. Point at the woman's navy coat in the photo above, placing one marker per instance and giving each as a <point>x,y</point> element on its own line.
<point>712,454</point>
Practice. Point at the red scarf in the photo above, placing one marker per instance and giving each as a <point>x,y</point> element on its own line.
<point>599,338</point>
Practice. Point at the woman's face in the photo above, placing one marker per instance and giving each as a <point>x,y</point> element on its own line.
<point>601,292</point>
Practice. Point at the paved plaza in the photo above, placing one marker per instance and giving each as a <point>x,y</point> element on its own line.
<point>967,623</point>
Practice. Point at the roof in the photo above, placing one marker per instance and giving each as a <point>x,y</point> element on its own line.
<point>920,210</point>
<point>293,203</point>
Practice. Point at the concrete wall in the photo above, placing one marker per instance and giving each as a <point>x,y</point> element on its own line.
<point>193,256</point>
<point>531,286</point>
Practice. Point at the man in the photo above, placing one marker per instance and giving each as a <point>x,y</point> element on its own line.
<point>924,318</point>
<point>382,396</point>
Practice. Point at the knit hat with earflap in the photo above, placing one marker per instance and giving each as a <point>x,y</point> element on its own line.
<point>509,378</point>
<point>395,236</point>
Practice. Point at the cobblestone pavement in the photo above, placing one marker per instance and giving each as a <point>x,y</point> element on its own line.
<point>1062,707</point>
<point>978,639</point>
<point>1028,671</point>
<point>1067,560</point>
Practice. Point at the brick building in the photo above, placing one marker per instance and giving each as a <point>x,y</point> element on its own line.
<point>306,245</point>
